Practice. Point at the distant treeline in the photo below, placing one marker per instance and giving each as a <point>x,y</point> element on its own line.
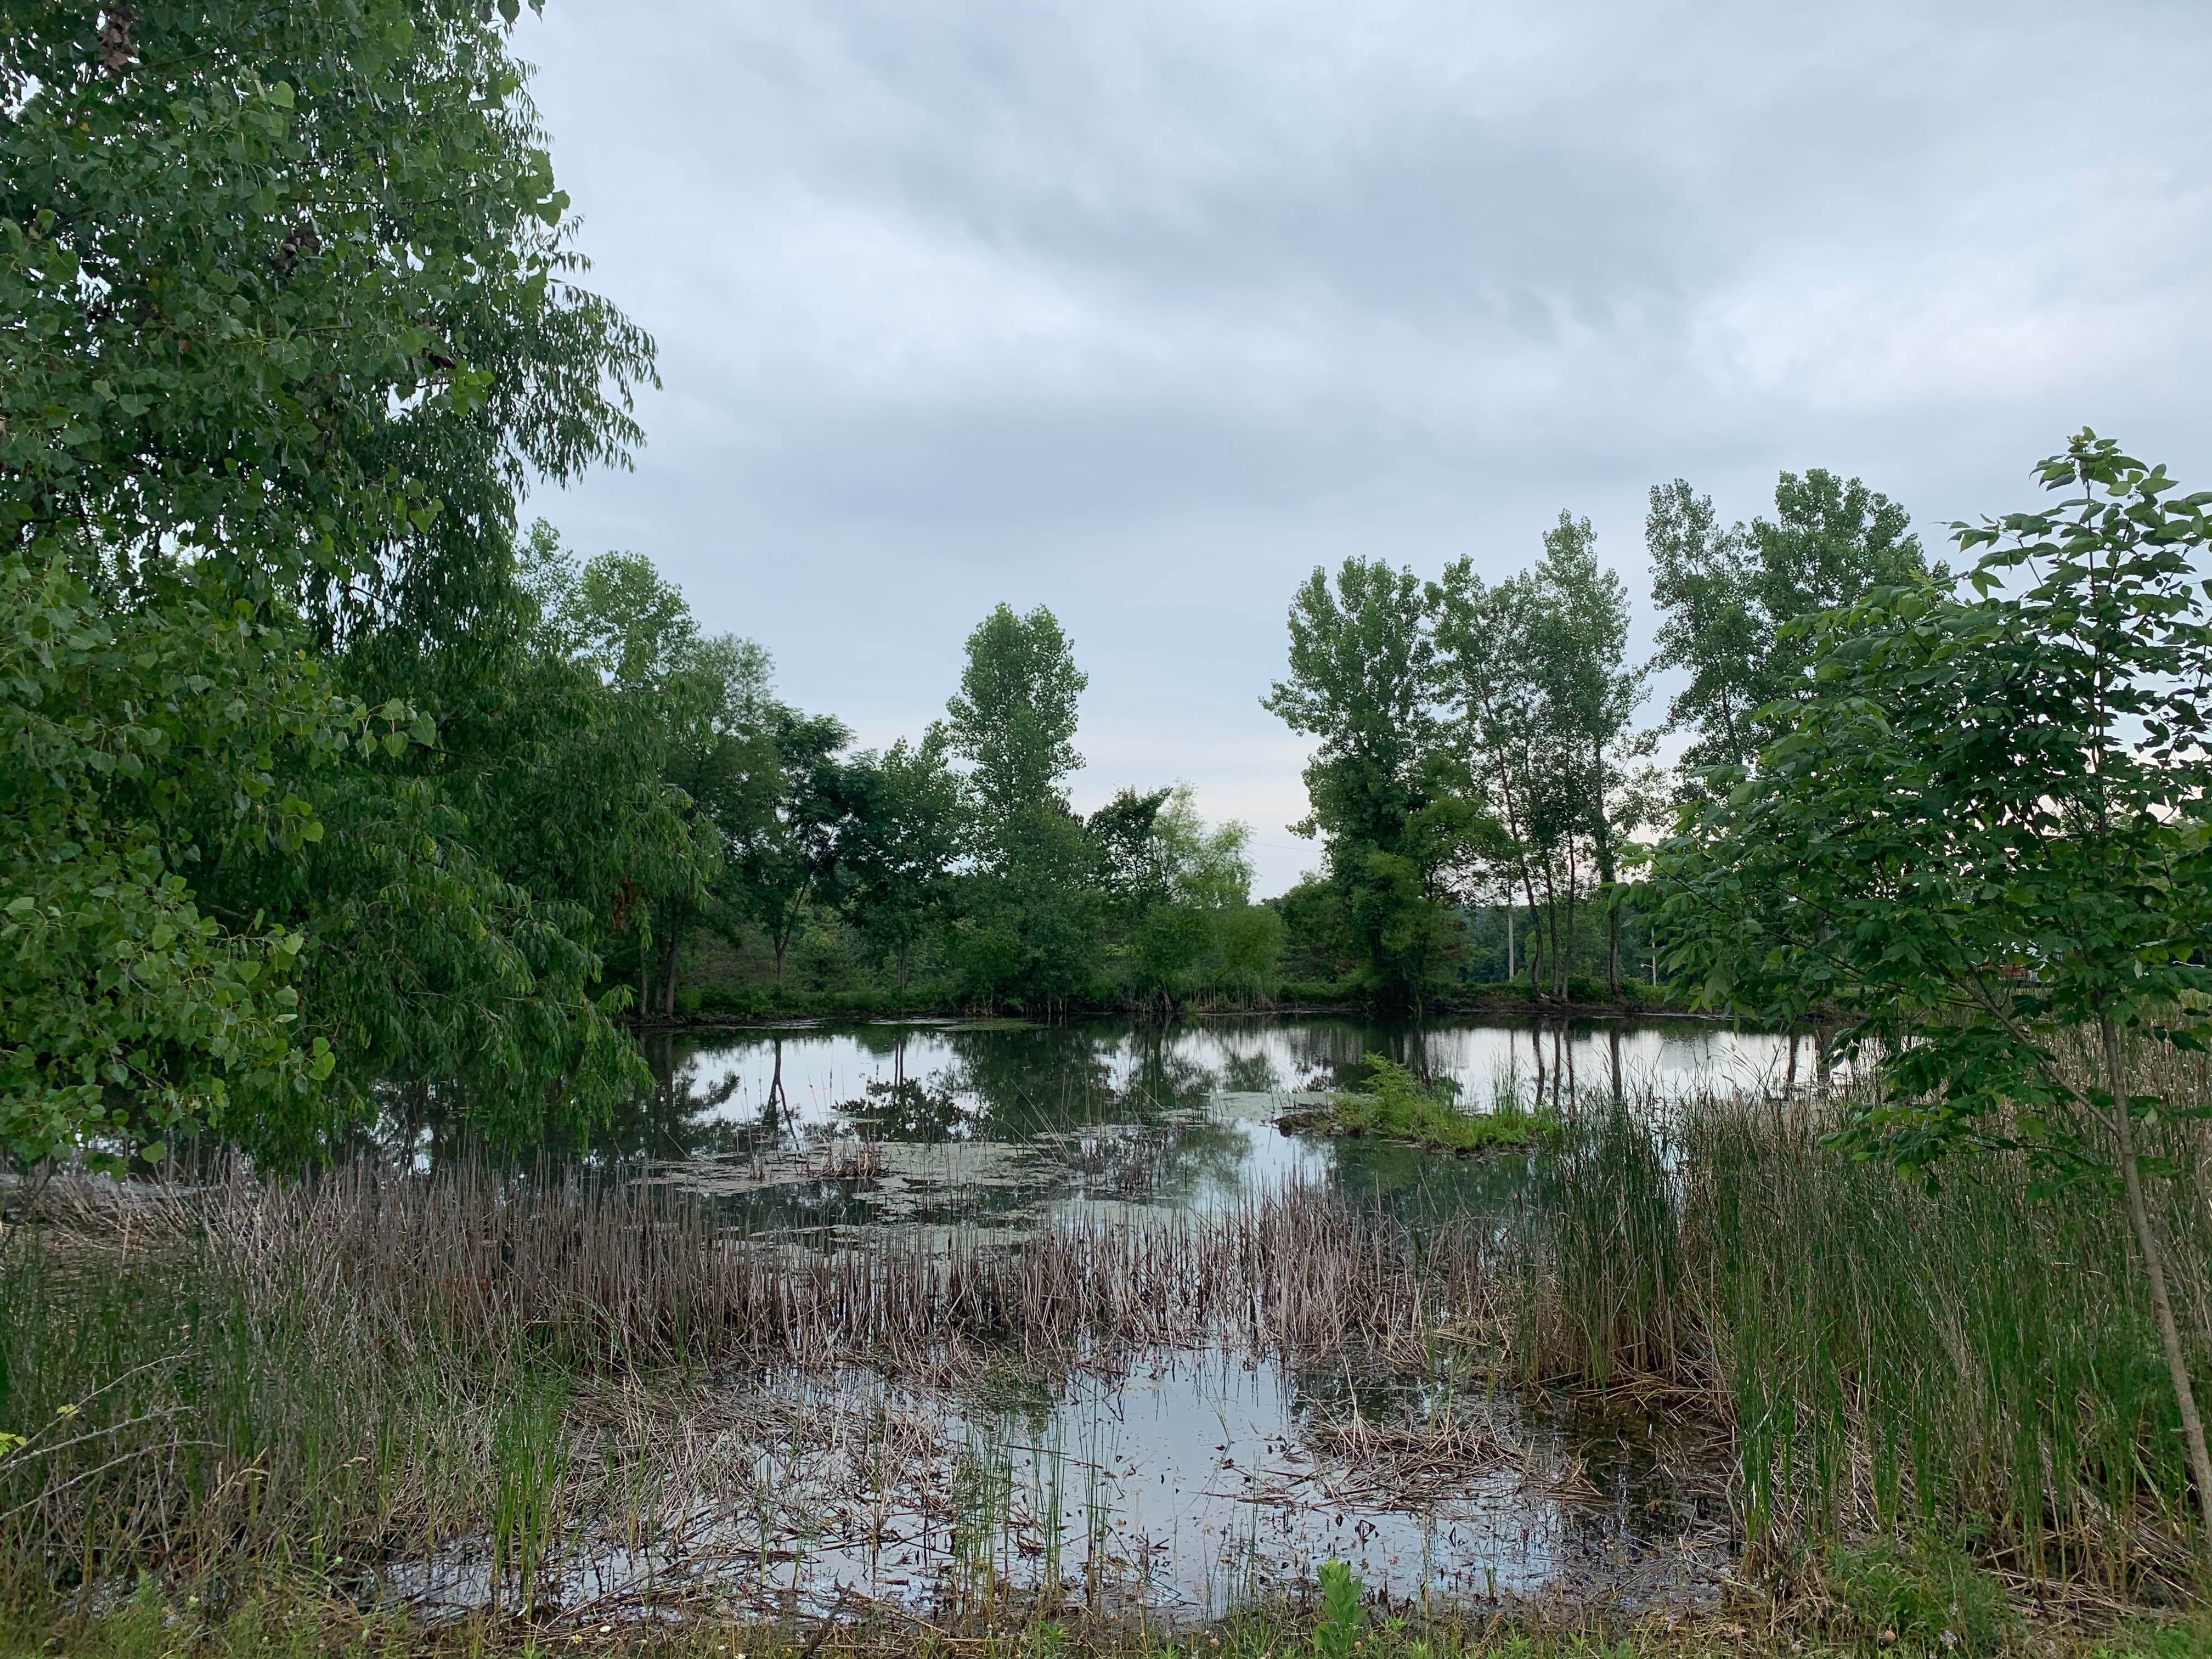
<point>1480,782</point>
<point>949,872</point>
<point>1483,794</point>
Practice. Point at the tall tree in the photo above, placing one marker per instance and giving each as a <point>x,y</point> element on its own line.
<point>1727,595</point>
<point>1014,719</point>
<point>1988,832</point>
<point>896,852</point>
<point>700,706</point>
<point>290,315</point>
<point>1029,928</point>
<point>1361,666</point>
<point>782,837</point>
<point>1532,675</point>
<point>1579,646</point>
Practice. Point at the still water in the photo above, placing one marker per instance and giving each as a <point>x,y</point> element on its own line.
<point>1180,1482</point>
<point>1001,1123</point>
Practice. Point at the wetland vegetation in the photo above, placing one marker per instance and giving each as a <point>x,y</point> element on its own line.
<point>1394,1104</point>
<point>382,1270</point>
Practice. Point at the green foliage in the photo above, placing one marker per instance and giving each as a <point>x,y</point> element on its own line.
<point>139,747</point>
<point>1382,795</point>
<point>292,317</point>
<point>289,291</point>
<point>1342,1611</point>
<point>1013,719</point>
<point>1984,828</point>
<point>896,847</point>
<point>1397,1105</point>
<point>1985,835</point>
<point>1532,674</point>
<point>1028,933</point>
<point>1730,596</point>
<point>1930,1598</point>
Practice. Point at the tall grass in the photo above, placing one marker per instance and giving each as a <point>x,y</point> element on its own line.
<point>1976,1360</point>
<point>265,1376</point>
<point>369,1366</point>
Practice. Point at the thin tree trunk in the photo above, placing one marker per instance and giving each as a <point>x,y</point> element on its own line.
<point>668,968</point>
<point>1608,884</point>
<point>1509,943</point>
<point>2154,1261</point>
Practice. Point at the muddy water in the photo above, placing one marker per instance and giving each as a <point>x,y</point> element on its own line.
<point>1182,1483</point>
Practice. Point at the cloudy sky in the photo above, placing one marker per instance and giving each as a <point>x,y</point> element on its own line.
<point>1141,309</point>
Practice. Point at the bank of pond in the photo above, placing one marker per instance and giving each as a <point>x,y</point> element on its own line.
<point>965,1325</point>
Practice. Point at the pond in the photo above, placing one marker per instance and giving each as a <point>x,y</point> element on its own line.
<point>996,1123</point>
<point>1180,1482</point>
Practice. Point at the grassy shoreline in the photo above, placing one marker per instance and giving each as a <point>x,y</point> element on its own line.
<point>299,1620</point>
<point>831,1009</point>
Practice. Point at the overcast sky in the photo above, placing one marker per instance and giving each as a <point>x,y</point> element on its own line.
<point>1140,309</point>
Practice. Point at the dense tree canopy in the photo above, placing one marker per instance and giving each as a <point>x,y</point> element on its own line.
<point>289,316</point>
<point>1728,597</point>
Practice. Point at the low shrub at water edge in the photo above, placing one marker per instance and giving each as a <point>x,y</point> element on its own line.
<point>1396,1105</point>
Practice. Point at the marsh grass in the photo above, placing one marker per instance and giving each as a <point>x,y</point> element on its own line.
<point>262,1381</point>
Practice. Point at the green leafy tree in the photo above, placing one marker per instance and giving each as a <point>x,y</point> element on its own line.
<point>1196,930</point>
<point>1727,595</point>
<point>289,294</point>
<point>1028,931</point>
<point>895,850</point>
<point>1538,704</point>
<point>1579,643</point>
<point>691,709</point>
<point>1362,664</point>
<point>781,841</point>
<point>1028,925</point>
<point>291,314</point>
<point>1014,719</point>
<point>1984,837</point>
<point>135,747</point>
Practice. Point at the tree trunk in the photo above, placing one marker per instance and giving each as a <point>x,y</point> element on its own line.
<point>2154,1261</point>
<point>1607,880</point>
<point>1509,943</point>
<point>668,968</point>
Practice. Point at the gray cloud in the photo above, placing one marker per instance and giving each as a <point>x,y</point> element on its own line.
<point>1141,310</point>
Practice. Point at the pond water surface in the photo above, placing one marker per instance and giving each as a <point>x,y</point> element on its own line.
<point>1182,1482</point>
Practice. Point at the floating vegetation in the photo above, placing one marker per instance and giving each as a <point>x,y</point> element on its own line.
<point>1415,1111</point>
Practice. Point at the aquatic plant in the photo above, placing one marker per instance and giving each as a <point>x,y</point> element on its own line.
<point>1398,1105</point>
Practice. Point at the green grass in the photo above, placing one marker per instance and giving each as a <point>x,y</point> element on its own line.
<point>295,1622</point>
<point>1975,1363</point>
<point>1396,1105</point>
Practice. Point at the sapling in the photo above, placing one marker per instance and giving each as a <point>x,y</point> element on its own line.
<point>1983,840</point>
